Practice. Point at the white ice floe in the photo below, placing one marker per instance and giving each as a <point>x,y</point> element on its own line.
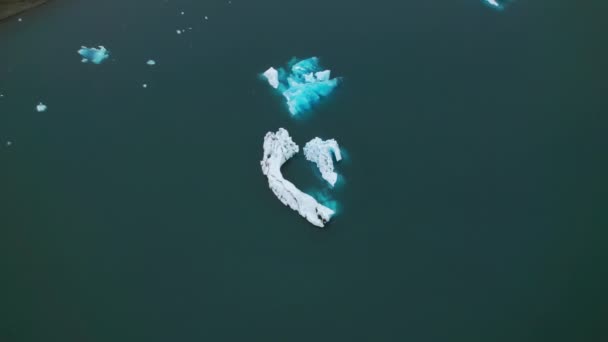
<point>320,152</point>
<point>151,62</point>
<point>278,148</point>
<point>272,75</point>
<point>41,107</point>
<point>178,31</point>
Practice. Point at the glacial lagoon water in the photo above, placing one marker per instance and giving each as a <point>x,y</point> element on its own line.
<point>470,204</point>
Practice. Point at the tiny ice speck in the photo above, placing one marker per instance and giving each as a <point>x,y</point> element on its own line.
<point>41,107</point>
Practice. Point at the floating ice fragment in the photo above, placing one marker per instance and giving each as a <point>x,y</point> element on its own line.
<point>178,31</point>
<point>320,152</point>
<point>305,85</point>
<point>94,55</point>
<point>278,148</point>
<point>20,20</point>
<point>496,4</point>
<point>151,62</point>
<point>144,85</point>
<point>41,107</point>
<point>9,143</point>
<point>206,18</point>
<point>183,13</point>
<point>273,77</point>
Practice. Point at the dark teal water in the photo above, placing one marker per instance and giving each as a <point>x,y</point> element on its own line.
<point>475,195</point>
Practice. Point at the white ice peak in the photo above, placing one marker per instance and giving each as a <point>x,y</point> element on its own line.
<point>320,152</point>
<point>278,148</point>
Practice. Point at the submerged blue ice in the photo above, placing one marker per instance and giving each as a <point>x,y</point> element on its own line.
<point>93,55</point>
<point>304,86</point>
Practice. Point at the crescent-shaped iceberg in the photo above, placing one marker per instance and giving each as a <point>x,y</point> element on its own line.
<point>278,148</point>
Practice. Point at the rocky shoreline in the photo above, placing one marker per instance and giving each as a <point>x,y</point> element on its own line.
<point>9,8</point>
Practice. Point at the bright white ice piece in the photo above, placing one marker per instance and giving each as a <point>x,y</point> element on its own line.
<point>278,148</point>
<point>272,75</point>
<point>320,152</point>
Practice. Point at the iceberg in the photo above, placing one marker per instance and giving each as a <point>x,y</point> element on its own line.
<point>304,86</point>
<point>320,152</point>
<point>41,107</point>
<point>94,55</point>
<point>278,148</point>
<point>272,75</point>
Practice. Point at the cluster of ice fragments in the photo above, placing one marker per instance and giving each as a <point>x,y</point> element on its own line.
<point>278,148</point>
<point>93,55</point>
<point>304,85</point>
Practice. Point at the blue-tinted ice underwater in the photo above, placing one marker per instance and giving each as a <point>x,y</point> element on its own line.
<point>93,55</point>
<point>304,86</point>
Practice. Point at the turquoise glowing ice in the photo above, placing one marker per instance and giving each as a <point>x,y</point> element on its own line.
<point>304,86</point>
<point>93,55</point>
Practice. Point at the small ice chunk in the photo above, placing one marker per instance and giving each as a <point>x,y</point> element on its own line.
<point>496,4</point>
<point>178,31</point>
<point>145,85</point>
<point>9,143</point>
<point>278,148</point>
<point>272,75</point>
<point>151,62</point>
<point>94,55</point>
<point>206,18</point>
<point>41,107</point>
<point>320,152</point>
<point>183,13</point>
<point>323,75</point>
<point>19,20</point>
